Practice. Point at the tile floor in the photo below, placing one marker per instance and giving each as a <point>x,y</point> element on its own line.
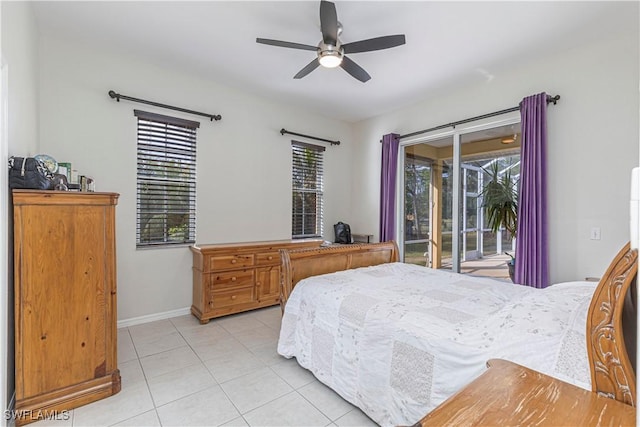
<point>176,372</point>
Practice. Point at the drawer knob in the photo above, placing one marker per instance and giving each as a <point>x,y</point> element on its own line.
<point>233,279</point>
<point>233,261</point>
<point>257,283</point>
<point>233,297</point>
<point>270,258</point>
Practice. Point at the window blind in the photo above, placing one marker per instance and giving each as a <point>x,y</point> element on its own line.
<point>166,180</point>
<point>307,190</point>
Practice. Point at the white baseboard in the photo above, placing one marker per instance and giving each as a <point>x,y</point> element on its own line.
<point>124,323</point>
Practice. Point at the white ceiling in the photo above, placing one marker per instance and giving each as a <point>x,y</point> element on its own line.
<point>448,43</point>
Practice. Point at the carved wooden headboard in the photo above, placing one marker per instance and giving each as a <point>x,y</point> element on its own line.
<point>612,328</point>
<point>303,263</point>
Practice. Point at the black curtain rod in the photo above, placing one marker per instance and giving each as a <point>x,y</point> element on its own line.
<point>117,97</point>
<point>283,131</point>
<point>550,99</point>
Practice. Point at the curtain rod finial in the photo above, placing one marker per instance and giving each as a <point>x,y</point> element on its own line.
<point>283,131</point>
<point>113,95</point>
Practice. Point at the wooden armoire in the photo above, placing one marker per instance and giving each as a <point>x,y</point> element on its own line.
<point>65,301</point>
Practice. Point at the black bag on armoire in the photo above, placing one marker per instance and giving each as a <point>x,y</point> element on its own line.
<point>343,232</point>
<point>27,172</point>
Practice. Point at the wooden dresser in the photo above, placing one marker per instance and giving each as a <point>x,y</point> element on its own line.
<point>508,394</point>
<point>65,301</point>
<point>236,277</point>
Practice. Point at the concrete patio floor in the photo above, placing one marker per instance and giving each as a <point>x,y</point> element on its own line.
<point>488,266</point>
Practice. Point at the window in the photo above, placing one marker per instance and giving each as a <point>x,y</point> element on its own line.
<point>166,199</point>
<point>306,218</point>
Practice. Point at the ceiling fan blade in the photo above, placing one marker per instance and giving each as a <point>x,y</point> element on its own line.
<point>329,22</point>
<point>378,43</point>
<point>307,69</point>
<point>286,44</point>
<point>354,69</point>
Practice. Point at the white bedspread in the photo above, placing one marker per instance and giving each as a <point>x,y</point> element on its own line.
<point>398,339</point>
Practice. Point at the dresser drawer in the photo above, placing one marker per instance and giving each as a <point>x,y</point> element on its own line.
<point>268,258</point>
<point>225,262</point>
<point>227,279</point>
<point>231,297</point>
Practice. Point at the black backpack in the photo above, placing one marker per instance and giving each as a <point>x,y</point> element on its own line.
<point>343,232</point>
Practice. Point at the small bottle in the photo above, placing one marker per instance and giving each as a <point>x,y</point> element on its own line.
<point>60,186</point>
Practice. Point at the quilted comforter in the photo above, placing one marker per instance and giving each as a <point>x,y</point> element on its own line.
<point>398,339</point>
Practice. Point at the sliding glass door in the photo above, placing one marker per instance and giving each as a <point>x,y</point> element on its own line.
<point>443,222</point>
<point>417,206</point>
<point>427,204</point>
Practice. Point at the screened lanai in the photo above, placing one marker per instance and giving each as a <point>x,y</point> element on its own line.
<point>429,209</point>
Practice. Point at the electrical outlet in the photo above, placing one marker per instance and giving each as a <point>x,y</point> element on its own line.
<point>595,233</point>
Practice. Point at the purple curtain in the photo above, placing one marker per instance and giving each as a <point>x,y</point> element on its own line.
<point>532,241</point>
<point>390,145</point>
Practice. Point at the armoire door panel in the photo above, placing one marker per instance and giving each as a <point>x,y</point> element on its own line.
<point>71,274</point>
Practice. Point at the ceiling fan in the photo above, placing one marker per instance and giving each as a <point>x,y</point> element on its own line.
<point>331,52</point>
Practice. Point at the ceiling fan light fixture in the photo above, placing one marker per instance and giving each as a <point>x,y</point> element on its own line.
<point>330,56</point>
<point>330,60</point>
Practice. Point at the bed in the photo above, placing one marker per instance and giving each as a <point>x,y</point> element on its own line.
<point>396,339</point>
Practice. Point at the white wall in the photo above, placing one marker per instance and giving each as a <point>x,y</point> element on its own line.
<point>19,136</point>
<point>20,51</point>
<point>593,145</point>
<point>244,164</point>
